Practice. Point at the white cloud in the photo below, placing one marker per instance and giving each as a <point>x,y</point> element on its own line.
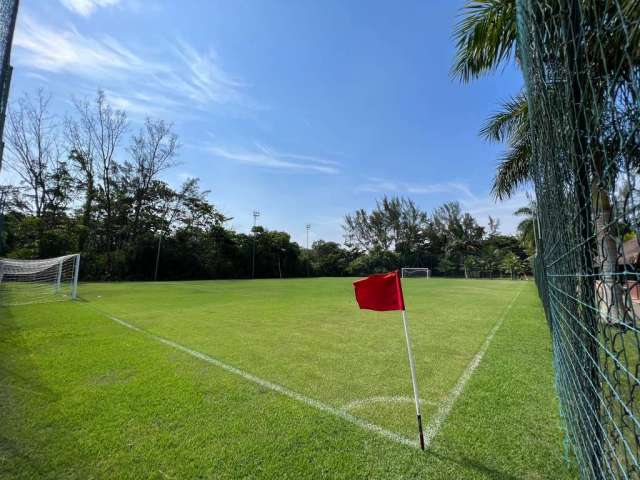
<point>265,157</point>
<point>136,78</point>
<point>379,185</point>
<point>206,79</point>
<point>87,7</point>
<point>46,49</point>
<point>447,187</point>
<point>140,104</point>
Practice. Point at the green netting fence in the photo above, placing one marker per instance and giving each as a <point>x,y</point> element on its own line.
<point>581,63</point>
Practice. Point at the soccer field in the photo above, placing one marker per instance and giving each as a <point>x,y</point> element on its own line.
<point>278,379</point>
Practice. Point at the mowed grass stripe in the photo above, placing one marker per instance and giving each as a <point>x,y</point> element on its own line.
<point>109,403</point>
<point>276,388</point>
<point>436,422</point>
<point>433,427</point>
<point>506,423</point>
<point>309,335</point>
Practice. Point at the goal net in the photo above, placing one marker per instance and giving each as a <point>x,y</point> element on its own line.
<point>36,281</point>
<point>416,272</point>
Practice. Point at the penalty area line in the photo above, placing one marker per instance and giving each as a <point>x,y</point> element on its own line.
<point>312,402</point>
<point>436,422</point>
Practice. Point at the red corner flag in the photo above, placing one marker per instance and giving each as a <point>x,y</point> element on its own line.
<point>381,292</point>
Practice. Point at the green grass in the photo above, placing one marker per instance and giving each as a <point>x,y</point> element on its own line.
<point>82,396</point>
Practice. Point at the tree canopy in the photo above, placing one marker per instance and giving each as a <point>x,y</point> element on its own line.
<point>90,184</point>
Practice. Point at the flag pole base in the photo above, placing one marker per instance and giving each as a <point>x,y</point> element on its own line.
<point>420,431</point>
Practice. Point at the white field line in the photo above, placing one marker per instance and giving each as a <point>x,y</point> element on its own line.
<point>318,405</point>
<point>390,399</point>
<point>436,422</point>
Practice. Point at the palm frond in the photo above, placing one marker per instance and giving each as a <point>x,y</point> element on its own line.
<point>511,120</point>
<point>485,37</point>
<point>514,169</point>
<point>528,211</point>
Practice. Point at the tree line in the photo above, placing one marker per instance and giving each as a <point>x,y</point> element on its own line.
<point>89,183</point>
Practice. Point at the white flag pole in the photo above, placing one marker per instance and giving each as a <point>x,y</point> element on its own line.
<point>414,381</point>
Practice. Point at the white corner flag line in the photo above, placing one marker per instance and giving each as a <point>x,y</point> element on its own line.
<point>432,429</point>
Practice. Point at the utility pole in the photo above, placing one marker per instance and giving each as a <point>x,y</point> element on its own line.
<point>155,274</point>
<point>308,252</point>
<point>256,214</point>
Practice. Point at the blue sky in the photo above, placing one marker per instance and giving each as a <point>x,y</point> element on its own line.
<point>305,110</point>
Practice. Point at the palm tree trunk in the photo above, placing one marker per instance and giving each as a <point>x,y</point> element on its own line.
<point>609,291</point>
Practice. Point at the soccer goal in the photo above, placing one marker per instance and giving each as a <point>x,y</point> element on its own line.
<point>36,281</point>
<point>417,272</point>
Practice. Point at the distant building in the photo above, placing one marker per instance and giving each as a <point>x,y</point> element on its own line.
<point>8,14</point>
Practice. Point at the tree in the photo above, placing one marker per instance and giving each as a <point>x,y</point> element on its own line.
<point>510,125</point>
<point>470,264</point>
<point>368,231</point>
<point>395,223</point>
<point>79,133</point>
<point>10,201</point>
<point>494,225</point>
<point>446,265</point>
<point>329,258</point>
<point>527,228</point>
<point>276,255</point>
<point>486,37</point>
<point>511,264</point>
<point>376,261</point>
<point>459,233</point>
<point>32,143</point>
<point>153,150</point>
<point>94,138</point>
<point>129,224</point>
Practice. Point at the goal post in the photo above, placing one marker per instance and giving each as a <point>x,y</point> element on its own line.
<point>38,281</point>
<point>415,272</point>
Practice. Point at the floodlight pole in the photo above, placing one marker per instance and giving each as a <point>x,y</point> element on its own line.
<point>308,256</point>
<point>414,380</point>
<point>256,214</point>
<point>155,272</point>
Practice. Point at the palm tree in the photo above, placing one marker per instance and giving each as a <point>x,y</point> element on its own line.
<point>470,263</point>
<point>511,264</point>
<point>526,228</point>
<point>510,125</point>
<point>486,38</point>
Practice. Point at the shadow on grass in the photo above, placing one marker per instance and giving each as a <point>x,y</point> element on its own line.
<point>21,389</point>
<point>474,465</point>
<point>14,355</point>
